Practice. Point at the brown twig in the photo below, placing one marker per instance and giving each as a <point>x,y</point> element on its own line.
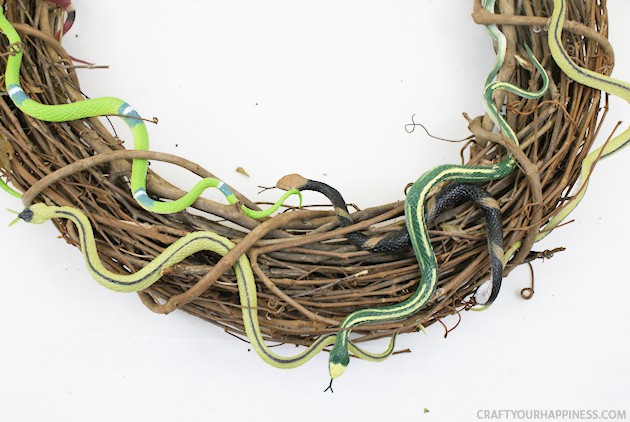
<point>305,267</point>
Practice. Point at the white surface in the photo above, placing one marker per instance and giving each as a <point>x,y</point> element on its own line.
<point>284,82</point>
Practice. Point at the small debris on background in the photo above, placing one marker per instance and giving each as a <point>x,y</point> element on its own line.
<point>242,171</point>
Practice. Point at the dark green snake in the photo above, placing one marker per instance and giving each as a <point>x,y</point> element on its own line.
<point>449,197</point>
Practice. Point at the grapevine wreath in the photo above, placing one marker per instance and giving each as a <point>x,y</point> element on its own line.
<point>301,275</point>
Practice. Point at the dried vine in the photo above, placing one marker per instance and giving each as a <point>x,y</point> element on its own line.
<point>309,276</point>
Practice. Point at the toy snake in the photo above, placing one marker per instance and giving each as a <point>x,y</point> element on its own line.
<point>591,79</point>
<point>594,80</point>
<point>499,39</point>
<point>111,106</point>
<point>449,197</point>
<point>176,252</point>
<point>414,213</point>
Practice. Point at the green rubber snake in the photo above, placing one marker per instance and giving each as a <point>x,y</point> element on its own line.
<point>176,252</point>
<point>607,84</point>
<point>421,242</point>
<point>501,41</point>
<point>449,197</point>
<point>107,106</point>
<point>591,79</point>
<point>594,80</point>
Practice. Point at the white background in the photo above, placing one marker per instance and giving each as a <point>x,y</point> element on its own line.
<point>292,86</point>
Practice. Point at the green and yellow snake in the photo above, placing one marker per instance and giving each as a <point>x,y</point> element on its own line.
<point>108,106</point>
<point>594,80</point>
<point>414,213</point>
<point>449,197</point>
<point>207,241</point>
<point>176,252</point>
<point>414,204</point>
<point>591,79</point>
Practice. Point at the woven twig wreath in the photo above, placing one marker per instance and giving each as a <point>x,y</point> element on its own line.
<point>309,276</point>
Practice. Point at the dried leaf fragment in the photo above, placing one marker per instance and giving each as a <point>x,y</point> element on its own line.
<point>242,171</point>
<point>455,231</point>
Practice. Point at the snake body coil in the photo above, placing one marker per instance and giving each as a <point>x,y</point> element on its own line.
<point>594,80</point>
<point>418,232</point>
<point>591,79</point>
<point>449,197</point>
<point>108,106</point>
<point>179,250</point>
<point>418,214</point>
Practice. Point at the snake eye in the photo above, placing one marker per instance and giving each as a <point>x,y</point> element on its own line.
<point>26,215</point>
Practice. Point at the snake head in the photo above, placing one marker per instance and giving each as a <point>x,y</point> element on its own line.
<point>36,214</point>
<point>338,361</point>
<point>291,181</point>
<point>26,215</point>
<point>336,369</point>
